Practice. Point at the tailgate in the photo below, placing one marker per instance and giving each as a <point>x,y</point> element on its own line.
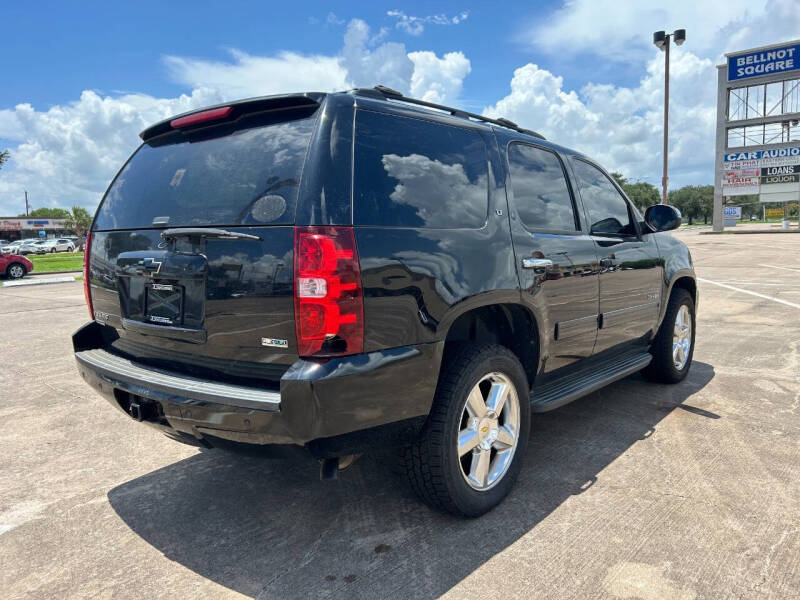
<point>191,255</point>
<point>218,307</point>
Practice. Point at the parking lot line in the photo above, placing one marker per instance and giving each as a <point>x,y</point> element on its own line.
<point>743,291</point>
<point>782,268</point>
<point>780,285</point>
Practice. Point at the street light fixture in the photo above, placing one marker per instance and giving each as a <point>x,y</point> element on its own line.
<point>661,39</point>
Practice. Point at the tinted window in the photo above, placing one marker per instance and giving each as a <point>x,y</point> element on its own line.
<point>238,174</point>
<point>606,208</point>
<point>541,195</point>
<point>414,173</point>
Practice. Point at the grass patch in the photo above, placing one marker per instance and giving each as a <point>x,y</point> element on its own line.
<point>58,262</point>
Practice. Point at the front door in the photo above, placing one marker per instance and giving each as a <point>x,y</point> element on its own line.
<point>556,260</point>
<point>631,270</point>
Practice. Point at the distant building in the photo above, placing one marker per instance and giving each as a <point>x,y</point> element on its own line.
<point>12,228</point>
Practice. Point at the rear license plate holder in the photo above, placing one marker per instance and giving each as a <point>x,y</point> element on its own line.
<point>163,304</point>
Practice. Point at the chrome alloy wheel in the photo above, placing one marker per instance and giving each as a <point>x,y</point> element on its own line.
<point>489,431</point>
<point>16,271</point>
<point>682,337</point>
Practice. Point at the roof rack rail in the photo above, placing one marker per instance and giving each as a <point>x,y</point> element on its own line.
<point>383,92</point>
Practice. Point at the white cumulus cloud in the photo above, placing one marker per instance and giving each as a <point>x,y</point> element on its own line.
<point>619,126</point>
<point>438,79</point>
<point>67,154</point>
<point>622,29</point>
<point>622,126</point>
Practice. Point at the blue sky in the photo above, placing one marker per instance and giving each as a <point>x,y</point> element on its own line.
<point>108,46</point>
<point>79,80</point>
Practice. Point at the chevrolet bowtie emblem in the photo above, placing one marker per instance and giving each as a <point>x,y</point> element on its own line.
<point>484,429</point>
<point>151,264</point>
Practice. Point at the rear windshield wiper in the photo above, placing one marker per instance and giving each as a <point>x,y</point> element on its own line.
<point>207,232</point>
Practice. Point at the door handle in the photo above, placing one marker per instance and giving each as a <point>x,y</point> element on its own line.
<point>536,263</point>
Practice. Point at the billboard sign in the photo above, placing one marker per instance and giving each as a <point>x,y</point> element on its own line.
<point>745,172</point>
<point>759,155</point>
<point>783,59</point>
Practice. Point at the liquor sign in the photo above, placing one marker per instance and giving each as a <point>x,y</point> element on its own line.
<point>775,179</point>
<point>782,59</point>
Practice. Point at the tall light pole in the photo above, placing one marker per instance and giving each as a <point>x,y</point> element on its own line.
<point>661,39</point>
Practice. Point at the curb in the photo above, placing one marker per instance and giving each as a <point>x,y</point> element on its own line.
<point>19,282</point>
<point>78,271</point>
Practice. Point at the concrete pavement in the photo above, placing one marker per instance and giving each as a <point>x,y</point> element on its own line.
<point>637,491</point>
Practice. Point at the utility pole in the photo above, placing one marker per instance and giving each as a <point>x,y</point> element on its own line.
<point>661,39</point>
<point>26,203</point>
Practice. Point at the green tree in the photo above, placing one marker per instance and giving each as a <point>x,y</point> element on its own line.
<point>694,201</point>
<point>619,178</point>
<point>3,157</point>
<point>47,213</point>
<point>641,193</point>
<point>79,220</point>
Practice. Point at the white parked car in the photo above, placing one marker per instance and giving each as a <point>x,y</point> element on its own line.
<point>56,245</point>
<point>29,246</point>
<point>11,248</point>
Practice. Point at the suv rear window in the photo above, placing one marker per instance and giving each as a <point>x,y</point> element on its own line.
<point>416,173</point>
<point>243,173</point>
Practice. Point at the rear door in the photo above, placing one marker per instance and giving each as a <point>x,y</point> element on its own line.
<point>556,259</point>
<point>631,270</point>
<point>192,247</point>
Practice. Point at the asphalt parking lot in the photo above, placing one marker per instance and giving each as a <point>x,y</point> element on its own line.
<point>637,491</point>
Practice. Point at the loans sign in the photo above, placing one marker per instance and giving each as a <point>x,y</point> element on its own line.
<point>764,62</point>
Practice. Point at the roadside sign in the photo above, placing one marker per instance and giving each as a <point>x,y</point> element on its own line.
<point>733,212</point>
<point>774,213</point>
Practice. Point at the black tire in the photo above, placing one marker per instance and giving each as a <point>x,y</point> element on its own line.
<point>432,463</point>
<point>16,270</point>
<point>52,250</point>
<point>662,368</point>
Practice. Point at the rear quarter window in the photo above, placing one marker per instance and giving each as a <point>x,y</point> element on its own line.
<point>243,173</point>
<point>415,173</point>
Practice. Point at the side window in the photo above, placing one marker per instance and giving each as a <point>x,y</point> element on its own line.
<point>541,195</point>
<point>607,209</point>
<point>416,173</point>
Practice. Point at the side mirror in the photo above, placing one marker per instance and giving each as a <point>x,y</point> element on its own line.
<point>662,217</point>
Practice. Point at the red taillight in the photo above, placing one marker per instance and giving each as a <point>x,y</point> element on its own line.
<point>328,298</point>
<point>86,289</point>
<point>201,117</point>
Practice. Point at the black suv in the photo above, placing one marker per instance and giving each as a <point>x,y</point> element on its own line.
<point>339,272</point>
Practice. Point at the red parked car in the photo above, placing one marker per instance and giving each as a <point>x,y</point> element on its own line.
<point>14,266</point>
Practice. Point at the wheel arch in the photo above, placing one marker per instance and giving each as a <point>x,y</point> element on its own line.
<point>509,324</point>
<point>684,279</point>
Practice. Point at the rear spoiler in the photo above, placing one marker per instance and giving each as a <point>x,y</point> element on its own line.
<point>239,108</point>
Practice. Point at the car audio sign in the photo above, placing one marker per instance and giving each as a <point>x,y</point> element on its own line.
<point>781,59</point>
<point>750,172</point>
